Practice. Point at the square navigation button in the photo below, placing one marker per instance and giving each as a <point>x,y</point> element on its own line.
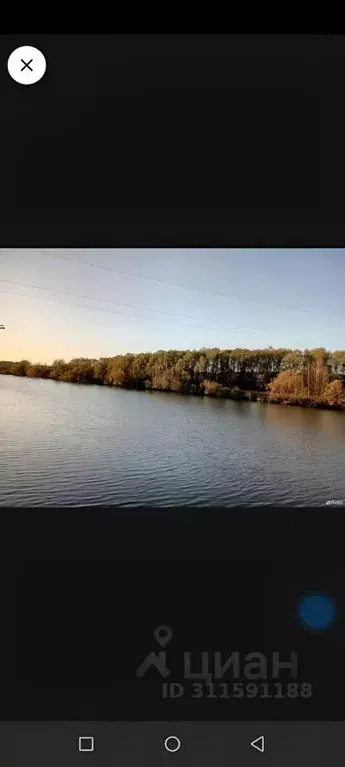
<point>86,743</point>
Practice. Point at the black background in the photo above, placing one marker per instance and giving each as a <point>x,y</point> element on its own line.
<point>180,141</point>
<point>85,590</point>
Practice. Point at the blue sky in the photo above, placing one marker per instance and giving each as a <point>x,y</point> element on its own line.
<point>223,298</point>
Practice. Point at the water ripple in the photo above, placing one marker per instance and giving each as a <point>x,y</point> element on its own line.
<point>61,444</point>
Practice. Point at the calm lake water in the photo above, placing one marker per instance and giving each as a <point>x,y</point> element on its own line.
<point>73,445</point>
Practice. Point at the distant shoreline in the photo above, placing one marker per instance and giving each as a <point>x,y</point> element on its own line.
<point>312,378</point>
<point>245,396</point>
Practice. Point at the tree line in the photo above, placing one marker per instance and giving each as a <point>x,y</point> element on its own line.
<point>312,377</point>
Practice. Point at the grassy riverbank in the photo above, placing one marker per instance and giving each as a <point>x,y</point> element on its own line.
<point>312,378</point>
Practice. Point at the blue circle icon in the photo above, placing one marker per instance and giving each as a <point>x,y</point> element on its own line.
<point>316,612</point>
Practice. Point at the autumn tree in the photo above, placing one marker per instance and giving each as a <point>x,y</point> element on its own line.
<point>100,370</point>
<point>119,370</point>
<point>38,370</point>
<point>213,389</point>
<point>334,394</point>
<point>293,361</point>
<point>337,363</point>
<point>20,368</point>
<point>58,369</point>
<point>319,372</point>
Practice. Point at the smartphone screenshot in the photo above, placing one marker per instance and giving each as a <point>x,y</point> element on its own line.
<point>172,400</point>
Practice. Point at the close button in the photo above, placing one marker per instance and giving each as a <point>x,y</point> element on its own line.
<point>26,65</point>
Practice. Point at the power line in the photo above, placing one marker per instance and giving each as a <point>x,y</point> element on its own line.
<point>123,314</point>
<point>131,306</point>
<point>177,284</point>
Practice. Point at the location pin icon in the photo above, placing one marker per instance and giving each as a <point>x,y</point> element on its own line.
<point>162,635</point>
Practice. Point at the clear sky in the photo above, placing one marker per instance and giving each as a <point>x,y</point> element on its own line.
<point>213,298</point>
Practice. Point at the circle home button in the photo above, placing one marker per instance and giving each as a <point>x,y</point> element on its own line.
<point>172,743</point>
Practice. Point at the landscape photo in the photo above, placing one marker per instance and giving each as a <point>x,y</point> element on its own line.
<point>163,377</point>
